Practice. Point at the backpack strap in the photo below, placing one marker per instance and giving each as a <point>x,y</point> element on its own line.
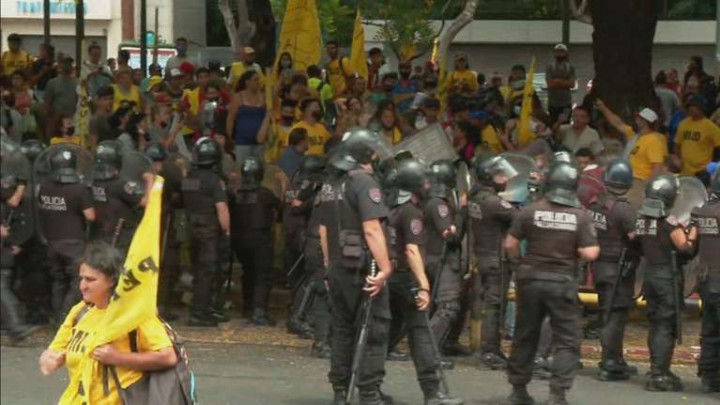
<point>133,336</point>
<point>342,68</point>
<point>80,315</point>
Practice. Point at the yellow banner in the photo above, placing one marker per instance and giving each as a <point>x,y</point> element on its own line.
<point>300,34</point>
<point>358,59</point>
<point>525,134</point>
<point>135,298</point>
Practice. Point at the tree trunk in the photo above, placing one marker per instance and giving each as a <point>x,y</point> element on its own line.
<point>622,50</point>
<point>245,27</point>
<point>264,39</point>
<point>465,18</point>
<point>230,26</point>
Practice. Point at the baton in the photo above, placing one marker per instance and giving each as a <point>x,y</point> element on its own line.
<point>676,300</point>
<point>362,340</point>
<point>618,280</point>
<point>116,232</point>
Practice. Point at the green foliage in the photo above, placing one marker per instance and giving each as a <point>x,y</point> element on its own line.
<point>336,18</point>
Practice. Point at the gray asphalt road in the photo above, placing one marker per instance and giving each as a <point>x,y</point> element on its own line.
<point>251,374</point>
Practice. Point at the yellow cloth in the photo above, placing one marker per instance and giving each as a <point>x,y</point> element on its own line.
<point>697,140</point>
<point>82,115</point>
<point>15,61</point>
<point>134,302</point>
<point>396,136</point>
<point>283,136</point>
<point>650,149</point>
<point>75,139</point>
<point>491,140</point>
<point>317,136</point>
<point>460,77</point>
<point>237,69</point>
<point>120,96</point>
<point>337,76</point>
<point>525,133</point>
<point>72,340</point>
<point>358,59</point>
<point>300,34</point>
<point>192,97</point>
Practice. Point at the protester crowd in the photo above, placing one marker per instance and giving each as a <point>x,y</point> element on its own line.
<point>276,126</point>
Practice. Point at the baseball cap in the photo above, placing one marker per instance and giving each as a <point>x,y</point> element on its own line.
<point>248,50</point>
<point>187,68</point>
<point>561,47</point>
<point>648,115</point>
<point>175,72</point>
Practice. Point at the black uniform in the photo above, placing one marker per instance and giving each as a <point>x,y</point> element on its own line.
<point>357,198</point>
<point>614,219</point>
<point>117,199</point>
<point>294,223</point>
<point>708,222</point>
<point>439,217</point>
<point>201,190</point>
<point>547,285</point>
<point>315,270</point>
<point>170,261</point>
<point>253,213</point>
<point>61,212</point>
<point>490,218</point>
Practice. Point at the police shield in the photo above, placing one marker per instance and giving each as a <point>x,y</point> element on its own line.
<point>42,168</point>
<point>517,190</point>
<point>134,166</point>
<point>177,165</point>
<point>14,171</point>
<point>14,165</point>
<point>275,180</point>
<point>691,194</point>
<point>429,145</point>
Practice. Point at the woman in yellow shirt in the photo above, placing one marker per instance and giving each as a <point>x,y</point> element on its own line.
<point>125,90</point>
<point>66,131</point>
<point>462,79</point>
<point>99,271</point>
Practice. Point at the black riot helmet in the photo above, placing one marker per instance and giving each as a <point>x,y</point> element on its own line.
<point>32,148</point>
<point>359,146</point>
<point>443,178</point>
<point>312,168</point>
<point>108,160</point>
<point>251,172</point>
<point>156,152</point>
<point>494,172</point>
<point>561,184</point>
<point>63,165</point>
<point>207,152</point>
<point>410,176</point>
<point>660,194</point>
<point>619,175</point>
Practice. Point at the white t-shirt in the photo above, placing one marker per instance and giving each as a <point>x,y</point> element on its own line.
<point>588,138</point>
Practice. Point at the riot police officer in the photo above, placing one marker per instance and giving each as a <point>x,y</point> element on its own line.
<point>206,203</point>
<point>299,199</point>
<point>351,232</point>
<point>409,283</point>
<point>64,207</point>
<point>558,232</point>
<point>116,199</point>
<point>490,218</point>
<point>442,248</point>
<point>254,211</point>
<point>614,221</point>
<point>707,220</point>
<point>661,238</point>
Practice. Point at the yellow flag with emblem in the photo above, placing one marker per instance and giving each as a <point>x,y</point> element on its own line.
<point>300,34</point>
<point>358,59</point>
<point>135,298</point>
<point>525,133</point>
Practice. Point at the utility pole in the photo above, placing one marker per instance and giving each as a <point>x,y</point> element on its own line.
<point>79,31</point>
<point>143,36</point>
<point>157,37</point>
<point>46,21</point>
<point>717,40</point>
<point>565,22</point>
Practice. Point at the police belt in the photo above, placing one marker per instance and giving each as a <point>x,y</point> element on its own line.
<point>535,275</point>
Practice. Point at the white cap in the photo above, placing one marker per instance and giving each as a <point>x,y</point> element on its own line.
<point>648,115</point>
<point>561,47</point>
<point>175,72</point>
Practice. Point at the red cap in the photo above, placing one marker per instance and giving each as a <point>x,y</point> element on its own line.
<point>187,68</point>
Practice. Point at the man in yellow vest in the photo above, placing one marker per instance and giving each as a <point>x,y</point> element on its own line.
<point>246,63</point>
<point>338,69</point>
<point>14,58</point>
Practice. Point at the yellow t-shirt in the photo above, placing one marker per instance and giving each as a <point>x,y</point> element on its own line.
<point>460,77</point>
<point>237,69</point>
<point>650,149</point>
<point>697,140</point>
<point>134,96</point>
<point>396,136</point>
<point>75,139</point>
<point>337,76</point>
<point>490,139</point>
<point>283,136</point>
<point>317,136</point>
<point>15,61</point>
<point>151,336</point>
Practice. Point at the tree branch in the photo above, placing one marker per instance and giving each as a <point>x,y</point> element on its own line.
<point>579,12</point>
<point>229,20</point>
<point>457,25</point>
<point>246,28</point>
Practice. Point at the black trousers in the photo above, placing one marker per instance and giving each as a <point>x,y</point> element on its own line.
<point>347,300</point>
<point>254,250</point>
<point>605,276</point>
<point>447,303</point>
<point>661,298</point>
<point>493,288</point>
<point>418,331</point>
<point>170,261</point>
<point>709,362</point>
<point>204,238</point>
<point>320,309</point>
<point>63,256</point>
<point>32,272</point>
<point>8,302</point>
<point>537,299</point>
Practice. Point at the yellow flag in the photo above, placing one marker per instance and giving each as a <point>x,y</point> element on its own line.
<point>525,134</point>
<point>300,34</point>
<point>135,298</point>
<point>358,59</point>
<point>436,48</point>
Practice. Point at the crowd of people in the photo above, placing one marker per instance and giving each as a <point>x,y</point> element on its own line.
<point>243,149</point>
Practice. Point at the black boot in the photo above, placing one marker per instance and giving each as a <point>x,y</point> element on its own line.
<point>520,396</point>
<point>557,396</point>
<point>439,398</point>
<point>200,320</point>
<point>541,369</point>
<point>339,396</point>
<point>666,382</point>
<point>219,316</point>
<point>493,361</point>
<point>612,370</point>
<point>302,329</point>
<point>321,350</point>
<point>710,382</point>
<point>455,349</point>
<point>446,364</point>
<point>259,318</point>
<point>395,354</point>
<point>371,397</point>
